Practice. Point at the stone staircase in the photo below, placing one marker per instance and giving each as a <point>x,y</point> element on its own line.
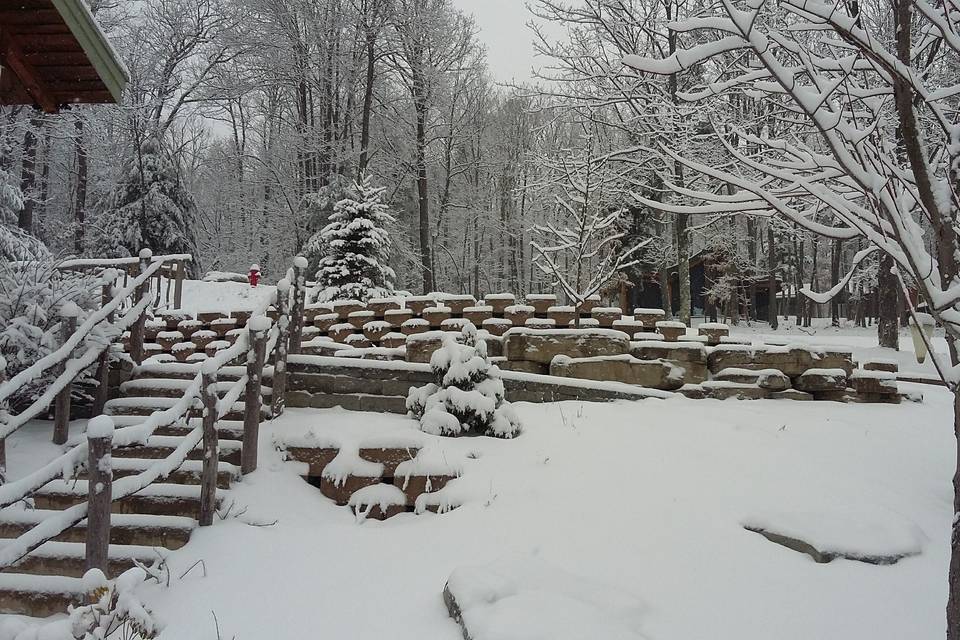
<point>146,526</point>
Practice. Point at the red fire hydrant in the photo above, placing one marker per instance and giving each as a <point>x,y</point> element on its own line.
<point>254,275</point>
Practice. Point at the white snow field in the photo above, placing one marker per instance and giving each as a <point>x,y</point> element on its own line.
<point>636,508</point>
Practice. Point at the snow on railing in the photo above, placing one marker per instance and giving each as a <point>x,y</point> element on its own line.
<point>66,464</point>
<point>96,263</point>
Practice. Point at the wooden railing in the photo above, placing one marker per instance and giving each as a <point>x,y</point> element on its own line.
<point>262,340</point>
<point>173,273</point>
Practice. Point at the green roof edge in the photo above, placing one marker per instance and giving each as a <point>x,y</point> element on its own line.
<point>103,56</point>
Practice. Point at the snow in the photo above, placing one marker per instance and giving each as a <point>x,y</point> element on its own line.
<point>635,507</point>
<point>100,427</point>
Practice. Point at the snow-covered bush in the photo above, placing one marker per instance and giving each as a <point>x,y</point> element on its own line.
<point>31,296</point>
<point>15,243</point>
<point>356,247</point>
<point>148,208</point>
<point>468,397</point>
<point>116,613</point>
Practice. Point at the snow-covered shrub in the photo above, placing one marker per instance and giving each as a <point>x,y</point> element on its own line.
<point>31,296</point>
<point>356,247</point>
<point>15,243</point>
<point>116,613</point>
<point>468,397</point>
<point>148,208</point>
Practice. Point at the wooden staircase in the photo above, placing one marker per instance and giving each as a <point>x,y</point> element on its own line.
<point>146,526</point>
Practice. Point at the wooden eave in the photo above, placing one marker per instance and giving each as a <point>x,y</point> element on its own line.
<point>54,54</point>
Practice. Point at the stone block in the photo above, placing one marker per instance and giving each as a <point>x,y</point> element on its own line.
<point>458,304</point>
<point>655,374</point>
<point>166,339</point>
<point>393,340</point>
<point>588,305</point>
<point>713,332</point>
<point>477,315</point>
<point>500,301</point>
<point>791,394</point>
<point>629,327</point>
<point>671,330</point>
<point>874,382</point>
<point>397,317</point>
<point>222,326</point>
<point>358,341</point>
<point>389,457</point>
<point>340,491</point>
<point>832,359</point>
<point>525,366</point>
<point>540,324</point>
<point>880,364</point>
<point>413,485</point>
<point>497,326</point>
<point>324,321</point>
<point>649,317</point>
<point>316,458</point>
<point>562,316</point>
<point>380,306</point>
<point>541,302</point>
<point>421,347</point>
<point>770,379</point>
<point>436,315</point>
<point>415,326</point>
<point>375,331</point>
<point>606,316</point>
<point>518,314</point>
<point>719,390</point>
<point>343,308</point>
<point>417,304</point>
<point>340,332</point>
<point>360,318</point>
<point>821,380</point>
<point>454,324</point>
<point>692,391</point>
<point>206,317</point>
<point>543,346</point>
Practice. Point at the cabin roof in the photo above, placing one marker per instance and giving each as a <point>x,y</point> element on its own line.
<point>53,54</point>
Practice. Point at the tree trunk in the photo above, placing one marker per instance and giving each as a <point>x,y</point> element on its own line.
<point>773,312</point>
<point>888,326</point>
<point>426,257</point>
<point>834,279</point>
<point>371,41</point>
<point>80,195</point>
<point>28,173</point>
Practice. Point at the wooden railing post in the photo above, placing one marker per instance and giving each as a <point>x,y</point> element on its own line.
<point>99,491</point>
<point>211,457</point>
<point>137,330</point>
<point>103,367</point>
<point>299,301</point>
<point>61,408</point>
<point>4,415</point>
<point>178,284</point>
<point>259,327</point>
<point>279,382</point>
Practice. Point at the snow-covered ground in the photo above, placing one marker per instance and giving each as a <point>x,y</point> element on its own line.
<point>199,296</point>
<point>645,500</point>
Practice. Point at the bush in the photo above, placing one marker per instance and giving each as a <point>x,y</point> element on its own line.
<point>31,295</point>
<point>468,397</point>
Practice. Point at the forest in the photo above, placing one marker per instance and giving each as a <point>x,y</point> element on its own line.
<point>245,121</point>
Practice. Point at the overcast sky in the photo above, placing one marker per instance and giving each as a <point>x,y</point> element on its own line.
<point>503,29</point>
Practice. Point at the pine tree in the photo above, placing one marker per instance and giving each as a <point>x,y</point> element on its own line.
<point>148,208</point>
<point>357,247</point>
<point>15,243</point>
<point>468,397</point>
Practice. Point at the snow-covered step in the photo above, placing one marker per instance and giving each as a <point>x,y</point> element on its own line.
<point>158,447</point>
<point>38,596</point>
<point>189,370</point>
<point>144,406</point>
<point>69,559</point>
<point>190,472</point>
<point>228,429</point>
<point>171,532</point>
<point>163,499</point>
<point>173,387</point>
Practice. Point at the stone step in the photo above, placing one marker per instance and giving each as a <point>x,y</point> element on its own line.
<point>348,401</point>
<point>228,429</point>
<point>170,532</point>
<point>38,596</point>
<point>159,447</point>
<point>189,473</point>
<point>69,559</point>
<point>143,407</point>
<point>159,499</point>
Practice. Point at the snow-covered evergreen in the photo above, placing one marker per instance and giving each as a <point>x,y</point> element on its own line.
<point>356,247</point>
<point>468,397</point>
<point>148,208</point>
<point>15,243</point>
<point>31,297</point>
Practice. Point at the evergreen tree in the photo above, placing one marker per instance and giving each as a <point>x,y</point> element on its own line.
<point>15,243</point>
<point>357,246</point>
<point>468,397</point>
<point>148,208</point>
